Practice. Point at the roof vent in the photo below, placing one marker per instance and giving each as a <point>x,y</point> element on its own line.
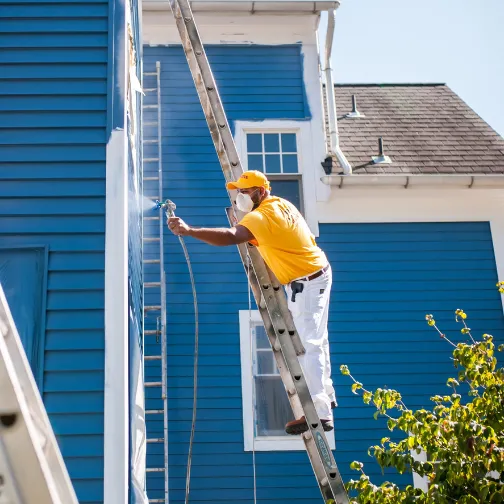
<point>381,158</point>
<point>355,113</point>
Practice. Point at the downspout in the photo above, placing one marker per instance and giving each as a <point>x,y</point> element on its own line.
<point>334,148</point>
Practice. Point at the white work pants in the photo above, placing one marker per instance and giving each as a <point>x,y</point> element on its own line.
<point>310,312</point>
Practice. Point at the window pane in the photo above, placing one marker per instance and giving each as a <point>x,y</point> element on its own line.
<point>265,362</point>
<point>273,409</point>
<point>254,142</point>
<point>272,163</point>
<point>290,163</point>
<point>255,162</point>
<point>271,142</point>
<point>288,189</point>
<point>289,142</point>
<point>262,340</point>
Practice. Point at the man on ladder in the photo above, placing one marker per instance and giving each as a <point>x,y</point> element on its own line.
<point>285,242</point>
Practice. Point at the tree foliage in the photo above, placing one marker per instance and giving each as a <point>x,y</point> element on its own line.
<point>462,434</point>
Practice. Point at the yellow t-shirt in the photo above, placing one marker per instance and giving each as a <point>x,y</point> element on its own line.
<point>284,240</point>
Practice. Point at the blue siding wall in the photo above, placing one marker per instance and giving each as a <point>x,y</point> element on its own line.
<point>255,83</point>
<point>387,277</point>
<point>53,95</point>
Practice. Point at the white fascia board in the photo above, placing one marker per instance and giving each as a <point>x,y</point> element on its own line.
<point>233,28</point>
<point>254,7</point>
<point>415,181</point>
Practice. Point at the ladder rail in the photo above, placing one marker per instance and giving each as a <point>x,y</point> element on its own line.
<point>164,356</point>
<point>207,90</point>
<point>281,332</point>
<point>158,309</point>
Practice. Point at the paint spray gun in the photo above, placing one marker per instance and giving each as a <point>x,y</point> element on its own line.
<point>168,206</point>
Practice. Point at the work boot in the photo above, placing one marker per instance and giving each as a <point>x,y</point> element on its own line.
<point>299,426</point>
<point>333,405</point>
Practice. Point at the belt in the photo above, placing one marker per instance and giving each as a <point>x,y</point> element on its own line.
<point>315,275</point>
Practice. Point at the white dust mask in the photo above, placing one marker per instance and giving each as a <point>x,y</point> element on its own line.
<point>244,202</point>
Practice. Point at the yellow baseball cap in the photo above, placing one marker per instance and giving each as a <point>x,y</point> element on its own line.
<point>248,179</point>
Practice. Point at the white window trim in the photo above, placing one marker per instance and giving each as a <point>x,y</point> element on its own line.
<point>270,443</point>
<point>421,482</point>
<point>303,131</point>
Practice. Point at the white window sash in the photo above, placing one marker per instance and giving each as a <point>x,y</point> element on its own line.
<point>280,153</point>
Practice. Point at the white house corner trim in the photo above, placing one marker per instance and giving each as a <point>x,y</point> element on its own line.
<point>276,444</point>
<point>302,128</point>
<point>116,394</point>
<point>497,230</point>
<point>312,80</point>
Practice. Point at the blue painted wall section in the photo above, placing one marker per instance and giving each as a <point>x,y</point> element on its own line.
<point>387,277</point>
<point>53,112</point>
<point>255,83</point>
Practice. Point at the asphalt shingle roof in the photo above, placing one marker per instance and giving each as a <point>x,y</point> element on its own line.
<point>426,129</point>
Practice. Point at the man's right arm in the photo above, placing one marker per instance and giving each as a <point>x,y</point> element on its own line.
<point>218,237</point>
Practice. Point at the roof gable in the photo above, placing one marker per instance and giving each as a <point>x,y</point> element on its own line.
<point>426,128</point>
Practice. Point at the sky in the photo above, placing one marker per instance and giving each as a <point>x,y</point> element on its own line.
<point>456,42</point>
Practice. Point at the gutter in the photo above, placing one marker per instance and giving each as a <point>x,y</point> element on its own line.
<point>334,148</point>
<point>416,181</point>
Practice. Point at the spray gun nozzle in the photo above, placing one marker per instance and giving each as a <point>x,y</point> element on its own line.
<point>168,205</point>
<point>160,204</point>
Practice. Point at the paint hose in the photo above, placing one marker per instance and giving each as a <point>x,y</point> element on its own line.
<point>170,207</point>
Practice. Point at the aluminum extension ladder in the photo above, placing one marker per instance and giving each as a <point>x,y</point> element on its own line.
<point>155,314</point>
<point>268,292</point>
<point>32,470</point>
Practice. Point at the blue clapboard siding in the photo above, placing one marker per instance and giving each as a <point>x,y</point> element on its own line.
<point>255,83</point>
<point>387,277</point>
<point>53,115</point>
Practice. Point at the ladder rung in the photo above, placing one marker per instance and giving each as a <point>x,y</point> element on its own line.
<point>150,106</point>
<point>154,412</point>
<point>156,501</point>
<point>150,159</point>
<point>152,308</point>
<point>152,357</point>
<point>150,74</point>
<point>152,332</point>
<point>155,440</point>
<point>151,218</point>
<point>152,284</point>
<point>152,261</point>
<point>150,178</point>
<point>151,239</point>
<point>153,384</point>
<point>150,89</point>
<point>154,141</point>
<point>154,469</point>
<point>150,123</point>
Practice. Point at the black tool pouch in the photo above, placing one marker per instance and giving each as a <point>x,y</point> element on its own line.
<point>297,288</point>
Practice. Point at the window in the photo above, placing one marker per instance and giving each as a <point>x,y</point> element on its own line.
<point>277,155</point>
<point>272,153</point>
<point>266,408</point>
<point>272,408</point>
